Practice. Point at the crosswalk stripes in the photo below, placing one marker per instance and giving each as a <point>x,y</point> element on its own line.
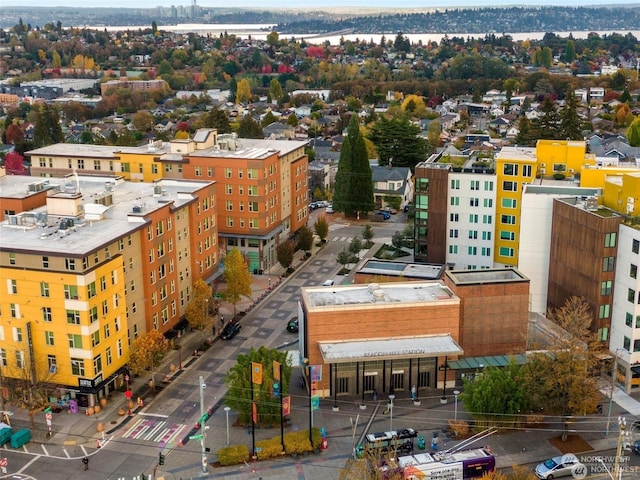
<point>153,430</point>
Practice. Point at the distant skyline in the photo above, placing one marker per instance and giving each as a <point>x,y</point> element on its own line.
<point>314,4</point>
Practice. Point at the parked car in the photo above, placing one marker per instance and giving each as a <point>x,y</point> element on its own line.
<point>391,210</point>
<point>327,283</point>
<point>292,325</point>
<point>329,208</point>
<point>636,447</point>
<point>230,330</point>
<point>564,466</point>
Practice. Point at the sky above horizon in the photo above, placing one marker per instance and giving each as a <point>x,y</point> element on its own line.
<point>399,4</point>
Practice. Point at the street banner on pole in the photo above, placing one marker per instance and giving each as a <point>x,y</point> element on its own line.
<point>286,405</point>
<point>276,370</point>
<point>256,373</point>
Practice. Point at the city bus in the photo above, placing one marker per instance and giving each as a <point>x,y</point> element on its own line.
<point>460,465</point>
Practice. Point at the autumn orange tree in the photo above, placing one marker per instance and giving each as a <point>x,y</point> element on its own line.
<point>147,351</point>
<point>237,278</point>
<point>197,311</point>
<point>321,227</point>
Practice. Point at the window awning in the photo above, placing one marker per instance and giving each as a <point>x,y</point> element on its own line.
<point>389,348</point>
<point>475,363</point>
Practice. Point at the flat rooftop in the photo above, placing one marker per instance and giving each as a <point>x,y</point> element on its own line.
<point>39,230</point>
<point>375,294</point>
<point>251,148</point>
<point>517,154</point>
<point>490,275</point>
<point>399,269</point>
<point>80,150</point>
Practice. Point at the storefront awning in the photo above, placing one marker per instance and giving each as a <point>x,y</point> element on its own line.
<point>391,348</point>
<point>475,363</point>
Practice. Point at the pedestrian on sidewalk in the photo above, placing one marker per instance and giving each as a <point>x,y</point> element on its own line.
<point>414,393</point>
<point>85,461</point>
<point>374,395</point>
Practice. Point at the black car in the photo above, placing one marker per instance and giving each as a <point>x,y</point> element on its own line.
<point>636,447</point>
<point>292,325</point>
<point>230,330</point>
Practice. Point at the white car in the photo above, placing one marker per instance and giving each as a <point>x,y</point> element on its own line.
<point>327,283</point>
<point>329,209</point>
<point>564,466</point>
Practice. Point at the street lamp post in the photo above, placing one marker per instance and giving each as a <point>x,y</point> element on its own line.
<point>307,368</point>
<point>226,411</point>
<point>455,405</point>
<point>354,427</point>
<point>391,398</point>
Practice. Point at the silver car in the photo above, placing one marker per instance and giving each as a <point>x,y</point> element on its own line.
<point>564,466</point>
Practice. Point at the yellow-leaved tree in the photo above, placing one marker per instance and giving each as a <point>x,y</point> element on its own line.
<point>146,352</point>
<point>243,91</point>
<point>197,311</point>
<point>237,278</point>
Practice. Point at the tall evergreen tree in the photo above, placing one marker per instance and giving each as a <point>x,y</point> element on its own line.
<point>570,123</point>
<point>216,118</point>
<point>548,125</point>
<point>353,191</point>
<point>250,128</point>
<point>524,137</point>
<point>47,129</point>
<point>398,142</point>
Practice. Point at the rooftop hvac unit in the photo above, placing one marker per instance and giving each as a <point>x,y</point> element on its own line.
<point>137,209</point>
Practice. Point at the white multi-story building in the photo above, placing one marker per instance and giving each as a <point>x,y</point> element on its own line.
<point>471,220</point>
<point>625,314</point>
<point>535,235</point>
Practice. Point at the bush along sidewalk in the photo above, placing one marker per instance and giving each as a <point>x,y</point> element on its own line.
<point>295,443</point>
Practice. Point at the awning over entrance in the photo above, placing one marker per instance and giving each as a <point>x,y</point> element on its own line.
<point>474,363</point>
<point>389,348</point>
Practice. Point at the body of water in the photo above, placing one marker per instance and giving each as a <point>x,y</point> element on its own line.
<point>260,32</point>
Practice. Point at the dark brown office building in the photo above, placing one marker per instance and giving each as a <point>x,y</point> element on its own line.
<point>430,213</point>
<point>584,247</point>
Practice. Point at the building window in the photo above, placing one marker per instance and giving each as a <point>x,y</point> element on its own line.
<point>604,311</point>
<point>455,201</point>
<point>45,262</point>
<point>12,259</point>
<point>631,295</point>
<point>453,249</point>
<point>508,219</point>
<point>605,287</point>
<point>510,186</point>
<point>108,355</point>
<point>20,359</point>
<point>103,283</point>
<point>46,314</point>
<point>97,364</point>
<point>51,363</point>
<point>75,341</point>
<point>608,264</point>
<point>198,171</point>
<point>73,317</point>
<point>628,319</point>
<point>610,240</point>
<point>93,314</point>
<point>504,235</point>
<point>626,343</point>
<point>252,190</point>
<point>3,357</point>
<point>488,202</point>
<point>473,218</point>
<point>80,164</point>
<point>77,367</point>
<point>14,310</point>
<point>455,184</point>
<point>228,173</point>
<point>506,252</point>
<point>473,234</point>
<point>487,219</point>
<point>70,264</point>
<point>510,169</point>
<point>71,292</point>
<point>453,233</point>
<point>526,171</point>
<point>486,251</point>
<point>454,217</point>
<point>91,290</point>
<point>107,330</point>
<point>475,184</point>
<point>48,338</point>
<point>229,205</point>
<point>474,202</point>
<point>633,271</point>
<point>472,250</point>
<point>509,202</point>
<point>486,235</point>
<point>635,246</point>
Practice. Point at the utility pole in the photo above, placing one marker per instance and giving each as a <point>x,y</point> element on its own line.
<point>202,426</point>
<point>622,436</point>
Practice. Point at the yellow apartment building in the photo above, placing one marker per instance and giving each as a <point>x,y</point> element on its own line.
<point>596,176</point>
<point>101,262</point>
<point>515,166</point>
<point>562,156</point>
<point>622,193</point>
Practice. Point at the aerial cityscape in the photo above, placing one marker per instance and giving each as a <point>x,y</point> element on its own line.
<point>257,244</point>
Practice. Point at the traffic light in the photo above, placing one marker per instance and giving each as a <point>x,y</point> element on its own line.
<point>276,390</point>
<point>161,459</point>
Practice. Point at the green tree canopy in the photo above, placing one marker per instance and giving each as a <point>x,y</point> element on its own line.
<point>570,122</point>
<point>218,119</point>
<point>398,142</point>
<point>249,128</point>
<point>305,239</point>
<point>633,132</point>
<point>284,253</point>
<point>353,185</point>
<point>240,385</point>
